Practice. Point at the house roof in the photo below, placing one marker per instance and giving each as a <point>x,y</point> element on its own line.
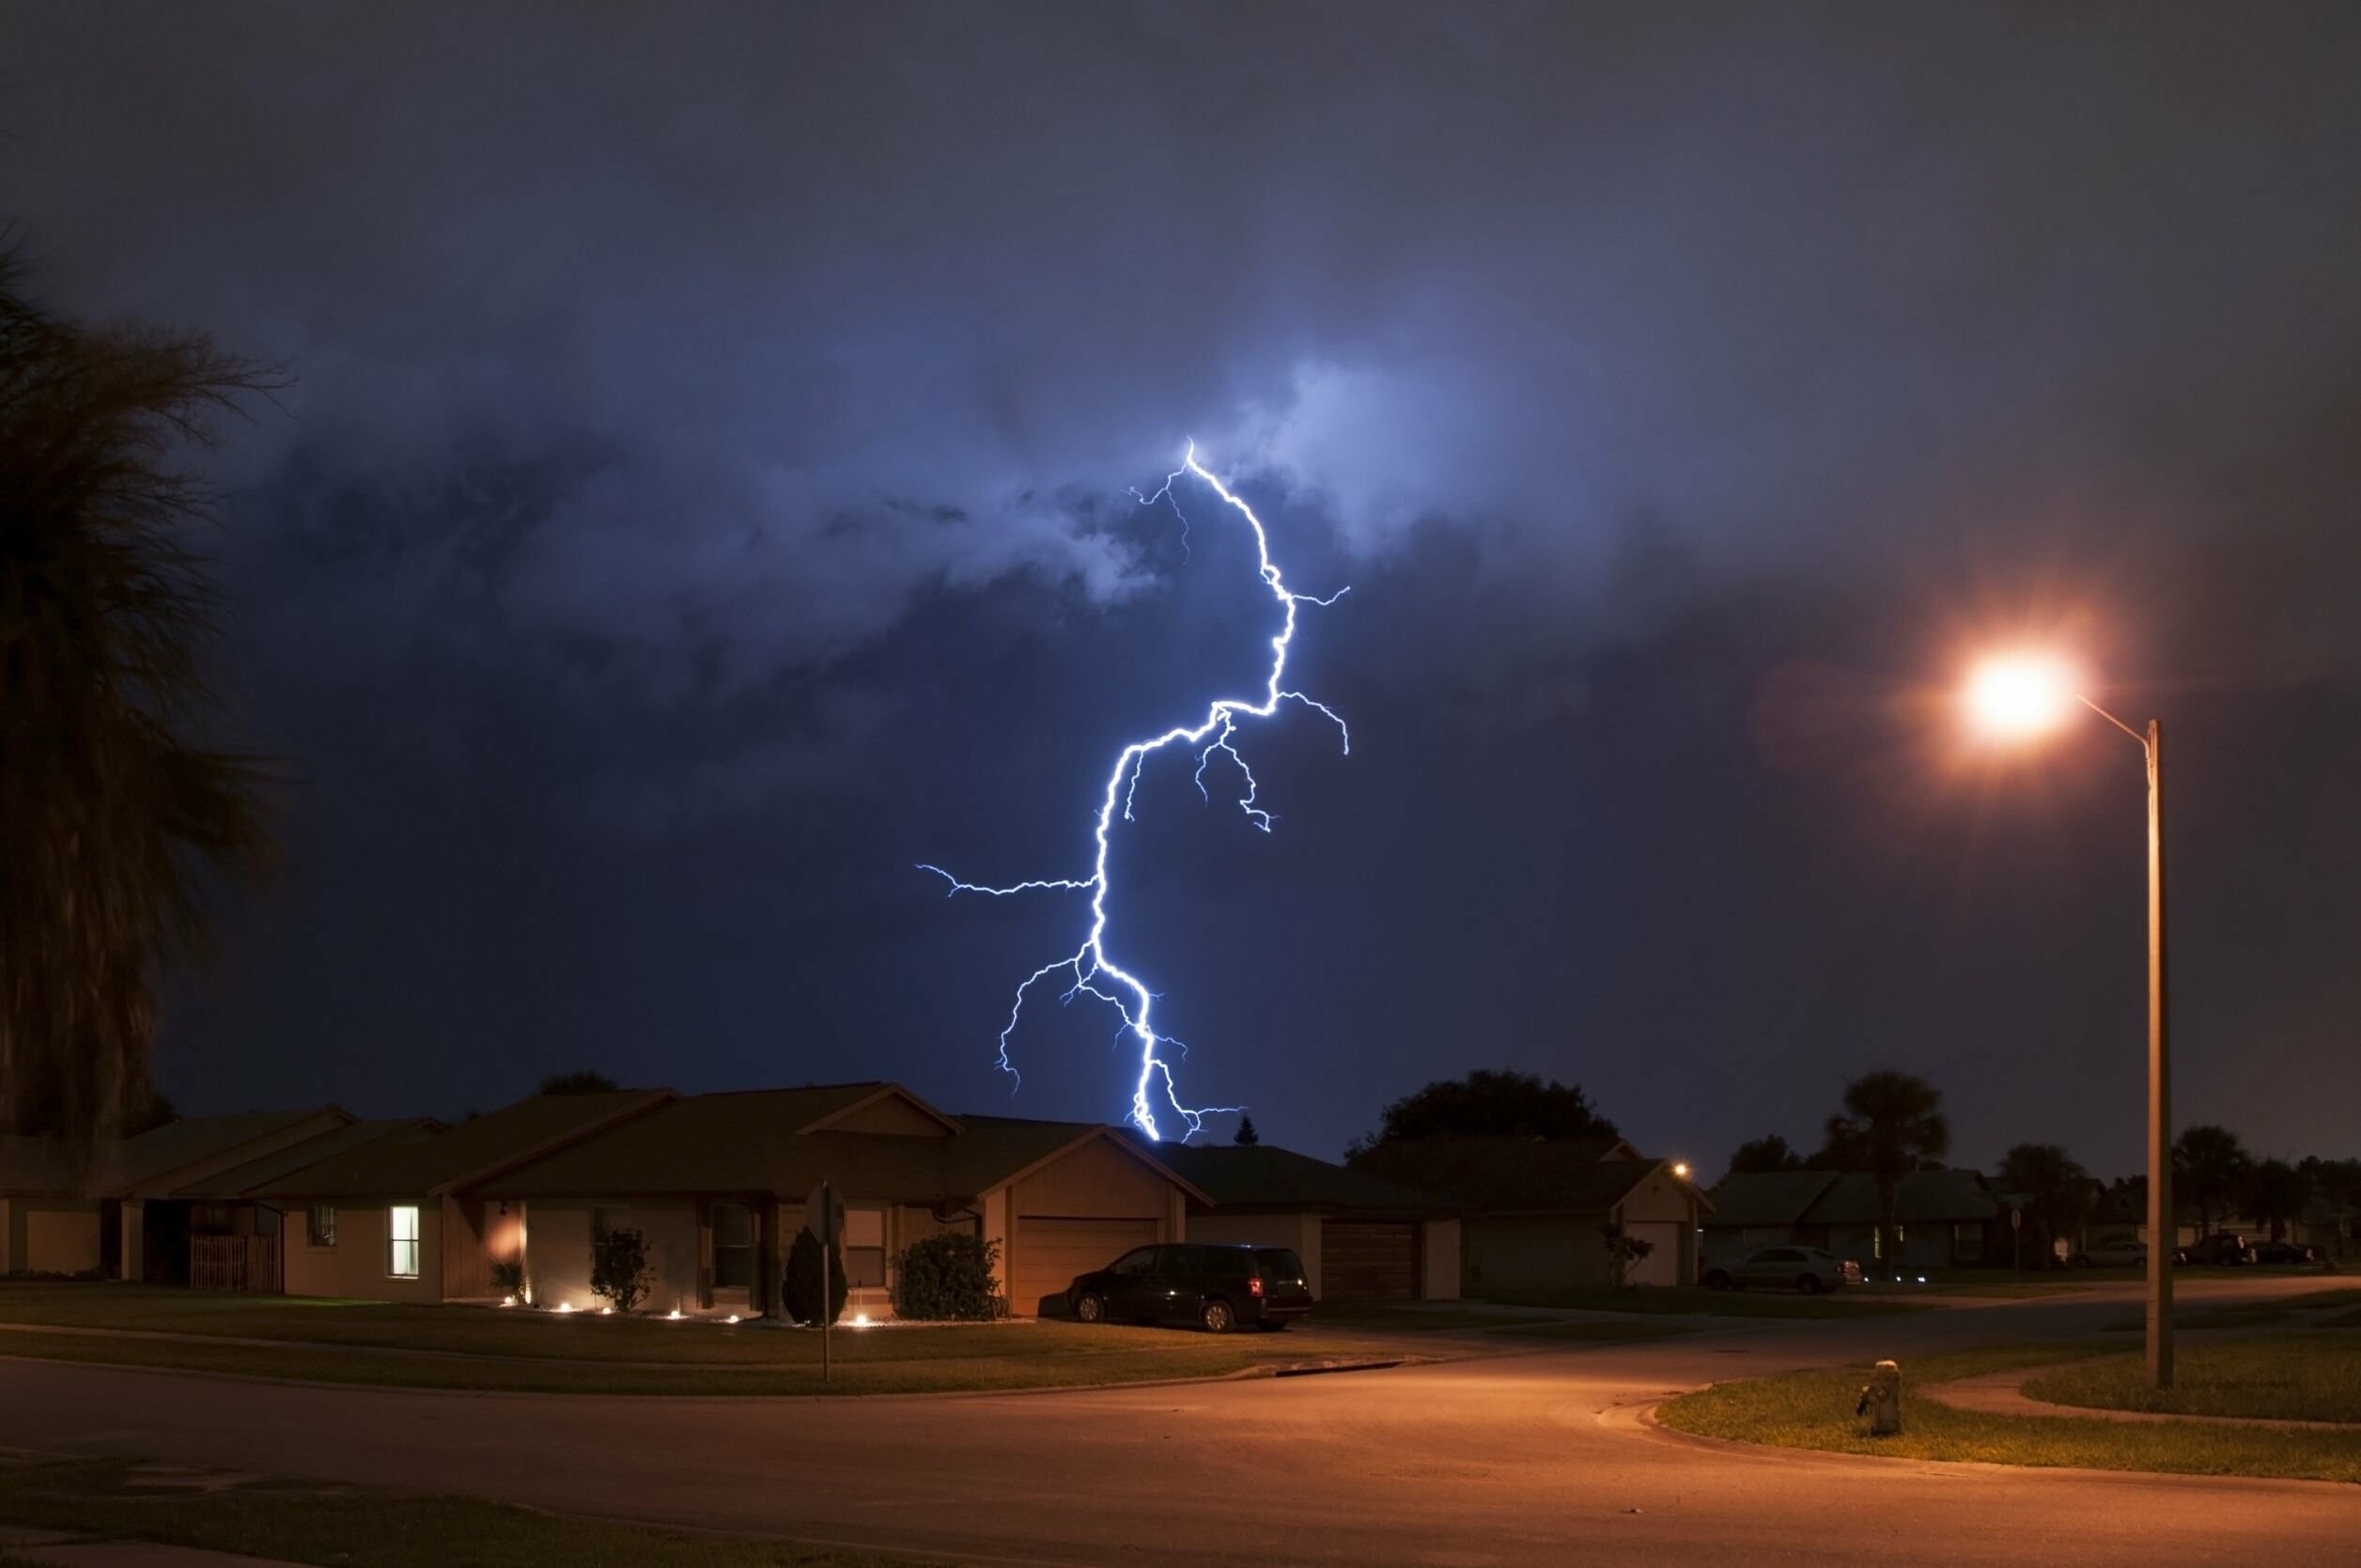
<point>241,1181</point>
<point>1764,1198</point>
<point>1263,1177</point>
<point>755,1141</point>
<point>457,1156</point>
<point>1514,1175</point>
<point>1930,1197</point>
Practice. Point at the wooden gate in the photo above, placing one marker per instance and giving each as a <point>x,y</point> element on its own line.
<point>234,1262</point>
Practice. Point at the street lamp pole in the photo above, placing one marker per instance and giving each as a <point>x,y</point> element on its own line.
<point>2163,1229</point>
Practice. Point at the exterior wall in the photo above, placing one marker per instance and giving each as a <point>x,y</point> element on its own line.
<point>557,1254</point>
<point>475,1234</point>
<point>996,1227</point>
<point>61,1235</point>
<point>1547,1252</point>
<point>1099,1181</point>
<point>1663,1210</point>
<point>355,1265</point>
<point>891,1116</point>
<point>9,1246</point>
<point>1299,1230</point>
<point>1439,1249</point>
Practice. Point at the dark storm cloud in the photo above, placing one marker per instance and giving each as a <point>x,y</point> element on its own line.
<point>705,493</point>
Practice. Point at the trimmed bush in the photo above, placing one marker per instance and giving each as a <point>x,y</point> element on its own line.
<point>618,1268</point>
<point>803,1284</point>
<point>947,1276</point>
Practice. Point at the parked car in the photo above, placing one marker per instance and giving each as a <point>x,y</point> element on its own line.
<point>2121,1252</point>
<point>1219,1287</point>
<point>1804,1268</point>
<point>2220,1251</point>
<point>2283,1252</point>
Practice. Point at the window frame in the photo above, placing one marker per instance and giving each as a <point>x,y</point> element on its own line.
<point>879,1252</point>
<point>415,1241</point>
<point>319,1237</point>
<point>745,1249</point>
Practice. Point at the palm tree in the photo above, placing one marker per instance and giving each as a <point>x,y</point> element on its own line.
<point>1891,1123</point>
<point>2055,1186</point>
<point>111,812</point>
<point>2210,1165</point>
<point>2279,1193</point>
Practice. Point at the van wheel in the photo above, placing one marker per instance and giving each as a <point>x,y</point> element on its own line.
<point>1808,1284</point>
<point>1090,1309</point>
<point>1718,1280</point>
<point>1217,1317</point>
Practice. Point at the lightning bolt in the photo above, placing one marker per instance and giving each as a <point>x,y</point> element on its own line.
<point>1094,974</point>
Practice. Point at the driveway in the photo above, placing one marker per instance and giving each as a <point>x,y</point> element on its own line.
<point>1513,1460</point>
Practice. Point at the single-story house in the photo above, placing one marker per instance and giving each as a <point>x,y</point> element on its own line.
<point>126,1219</point>
<point>1943,1218</point>
<point>394,1215</point>
<point>1362,1237</point>
<point>1534,1212</point>
<point>717,1184</point>
<point>2333,1227</point>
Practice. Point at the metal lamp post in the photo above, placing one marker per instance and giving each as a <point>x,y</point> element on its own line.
<point>2022,696</point>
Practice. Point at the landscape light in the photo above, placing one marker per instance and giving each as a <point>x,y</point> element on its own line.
<point>860,1320</point>
<point>672,1316</point>
<point>732,1318</point>
<point>566,1306</point>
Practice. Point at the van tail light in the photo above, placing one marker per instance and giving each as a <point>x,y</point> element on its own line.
<point>1254,1286</point>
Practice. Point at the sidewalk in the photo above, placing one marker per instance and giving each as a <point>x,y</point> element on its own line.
<point>2002,1393</point>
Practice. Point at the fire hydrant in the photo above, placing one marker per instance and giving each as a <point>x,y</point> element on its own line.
<point>1881,1400</point>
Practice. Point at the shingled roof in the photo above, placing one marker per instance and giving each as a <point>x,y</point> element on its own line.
<point>1768,1198</point>
<point>439,1161</point>
<point>1850,1198</point>
<point>1261,1177</point>
<point>1514,1175</point>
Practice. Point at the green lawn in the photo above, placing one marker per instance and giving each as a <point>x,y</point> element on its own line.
<point>455,1347</point>
<point>2251,1315</point>
<point>114,1498</point>
<point>1814,1410</point>
<point>2304,1377</point>
<point>1716,1303</point>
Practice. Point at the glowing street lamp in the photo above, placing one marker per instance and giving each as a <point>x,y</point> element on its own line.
<point>2020,697</point>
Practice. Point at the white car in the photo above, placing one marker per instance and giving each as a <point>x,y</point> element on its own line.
<point>1804,1268</point>
<point>2120,1251</point>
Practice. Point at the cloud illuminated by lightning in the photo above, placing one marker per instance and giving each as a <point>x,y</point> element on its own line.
<point>1089,963</point>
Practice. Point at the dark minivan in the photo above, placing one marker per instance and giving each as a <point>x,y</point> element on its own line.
<point>1221,1287</point>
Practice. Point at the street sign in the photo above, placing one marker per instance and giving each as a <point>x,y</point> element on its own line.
<point>824,1214</point>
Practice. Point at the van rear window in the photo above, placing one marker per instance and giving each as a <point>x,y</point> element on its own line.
<point>1279,1263</point>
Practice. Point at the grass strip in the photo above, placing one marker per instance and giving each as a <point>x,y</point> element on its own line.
<point>116,1499</point>
<point>1814,1410</point>
<point>2302,1377</point>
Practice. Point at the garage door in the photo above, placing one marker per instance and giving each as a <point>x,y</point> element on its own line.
<point>1050,1252</point>
<point>1363,1260</point>
<point>1662,1265</point>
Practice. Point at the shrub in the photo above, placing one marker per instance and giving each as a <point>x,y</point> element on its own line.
<point>618,1268</point>
<point>508,1278</point>
<point>948,1276</point>
<point>803,1284</point>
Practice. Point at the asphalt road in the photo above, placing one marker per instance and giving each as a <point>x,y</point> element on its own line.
<point>1525,1459</point>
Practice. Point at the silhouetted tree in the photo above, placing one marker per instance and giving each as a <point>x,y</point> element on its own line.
<point>1489,1104</point>
<point>2210,1167</point>
<point>2278,1193</point>
<point>1765,1153</point>
<point>802,1283</point>
<point>1623,1251</point>
<point>1245,1136</point>
<point>111,812</point>
<point>580,1081</point>
<point>1891,1123</point>
<point>2055,1186</point>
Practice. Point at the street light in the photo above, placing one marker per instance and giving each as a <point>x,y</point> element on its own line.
<point>2019,696</point>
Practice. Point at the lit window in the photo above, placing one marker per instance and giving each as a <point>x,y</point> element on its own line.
<point>319,1227</point>
<point>401,1241</point>
<point>865,1247</point>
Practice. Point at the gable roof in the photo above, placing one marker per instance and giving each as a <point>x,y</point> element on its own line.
<point>753,1142</point>
<point>1514,1175</point>
<point>1768,1198</point>
<point>239,1181</point>
<point>1259,1176</point>
<point>457,1156</point>
<point>1928,1196</point>
<point>874,1092</point>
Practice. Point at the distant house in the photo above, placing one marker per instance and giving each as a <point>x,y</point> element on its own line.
<point>1362,1236</point>
<point>2332,1227</point>
<point>1943,1218</point>
<point>126,1218</point>
<point>1534,1212</point>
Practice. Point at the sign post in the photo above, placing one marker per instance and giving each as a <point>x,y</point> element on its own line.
<point>824,1216</point>
<point>2016,1240</point>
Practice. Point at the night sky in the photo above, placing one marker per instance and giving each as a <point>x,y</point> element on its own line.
<point>706,495</point>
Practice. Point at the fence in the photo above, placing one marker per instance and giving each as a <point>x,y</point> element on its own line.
<point>234,1262</point>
